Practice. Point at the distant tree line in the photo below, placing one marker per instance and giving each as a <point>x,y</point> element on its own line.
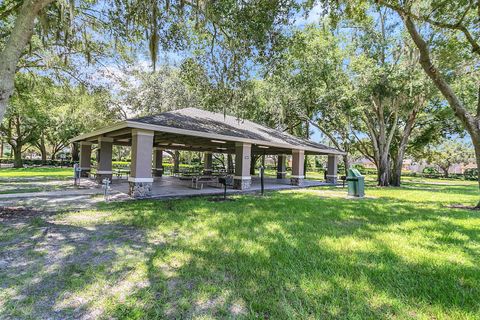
<point>44,116</point>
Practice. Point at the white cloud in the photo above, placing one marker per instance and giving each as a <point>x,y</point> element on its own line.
<point>314,16</point>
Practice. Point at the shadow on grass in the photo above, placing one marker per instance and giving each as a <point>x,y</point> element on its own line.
<point>45,266</point>
<point>268,254</point>
<point>450,188</point>
<point>287,255</point>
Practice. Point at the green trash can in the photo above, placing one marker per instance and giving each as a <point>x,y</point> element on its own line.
<point>356,183</point>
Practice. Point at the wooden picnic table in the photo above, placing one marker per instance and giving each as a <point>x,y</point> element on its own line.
<point>120,172</point>
<point>199,181</point>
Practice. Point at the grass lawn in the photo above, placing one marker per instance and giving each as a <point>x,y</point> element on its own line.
<point>401,253</point>
<point>36,172</point>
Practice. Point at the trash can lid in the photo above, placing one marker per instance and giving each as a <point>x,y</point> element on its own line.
<point>354,173</point>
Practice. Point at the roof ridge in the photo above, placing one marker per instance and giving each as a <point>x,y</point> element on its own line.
<point>208,121</point>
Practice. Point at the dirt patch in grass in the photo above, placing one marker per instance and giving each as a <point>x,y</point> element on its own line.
<point>461,206</point>
<point>67,264</point>
<point>220,199</point>
<point>7,212</point>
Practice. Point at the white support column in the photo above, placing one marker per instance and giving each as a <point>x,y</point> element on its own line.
<point>85,158</point>
<point>157,162</point>
<point>140,179</point>
<point>298,170</point>
<point>332,168</point>
<point>282,166</point>
<point>104,169</point>
<point>208,163</point>
<point>242,179</point>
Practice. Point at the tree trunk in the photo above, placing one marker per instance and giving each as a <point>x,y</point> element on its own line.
<point>42,148</point>
<point>395,176</point>
<point>383,168</point>
<point>59,146</point>
<point>477,154</point>
<point>220,158</point>
<point>445,172</point>
<point>52,156</point>
<point>75,152</point>
<point>43,152</point>
<point>398,163</point>
<point>19,38</point>
<point>305,166</point>
<point>346,161</point>
<point>230,167</point>
<point>17,157</point>
<point>176,162</point>
<point>253,163</point>
<point>381,139</point>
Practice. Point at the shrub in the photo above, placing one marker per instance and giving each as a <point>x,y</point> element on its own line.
<point>120,164</point>
<point>39,162</point>
<point>471,174</point>
<point>360,168</point>
<point>430,170</point>
<point>341,166</point>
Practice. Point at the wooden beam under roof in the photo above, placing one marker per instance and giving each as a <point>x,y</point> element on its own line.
<point>121,132</point>
<point>194,148</point>
<point>122,143</point>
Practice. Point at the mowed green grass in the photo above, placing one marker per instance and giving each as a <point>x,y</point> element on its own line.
<point>400,253</point>
<point>36,172</point>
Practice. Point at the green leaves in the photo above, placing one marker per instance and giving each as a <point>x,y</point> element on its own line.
<point>448,153</point>
<point>150,93</point>
<point>42,110</point>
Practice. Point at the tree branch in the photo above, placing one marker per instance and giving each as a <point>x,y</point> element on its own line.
<point>478,103</point>
<point>452,26</point>
<point>437,78</point>
<point>9,11</point>
<point>330,136</point>
<point>363,148</point>
<point>392,129</point>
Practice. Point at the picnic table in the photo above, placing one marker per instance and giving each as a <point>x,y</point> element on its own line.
<point>199,181</point>
<point>120,172</point>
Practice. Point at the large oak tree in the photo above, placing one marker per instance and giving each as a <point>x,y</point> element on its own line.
<point>449,52</point>
<point>171,24</point>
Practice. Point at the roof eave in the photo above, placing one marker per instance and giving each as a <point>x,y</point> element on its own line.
<point>99,132</point>
<point>148,126</point>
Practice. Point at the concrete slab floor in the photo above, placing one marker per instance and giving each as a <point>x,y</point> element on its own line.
<point>166,187</point>
<point>172,187</point>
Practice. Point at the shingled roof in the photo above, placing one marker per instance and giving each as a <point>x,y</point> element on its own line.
<point>211,125</point>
